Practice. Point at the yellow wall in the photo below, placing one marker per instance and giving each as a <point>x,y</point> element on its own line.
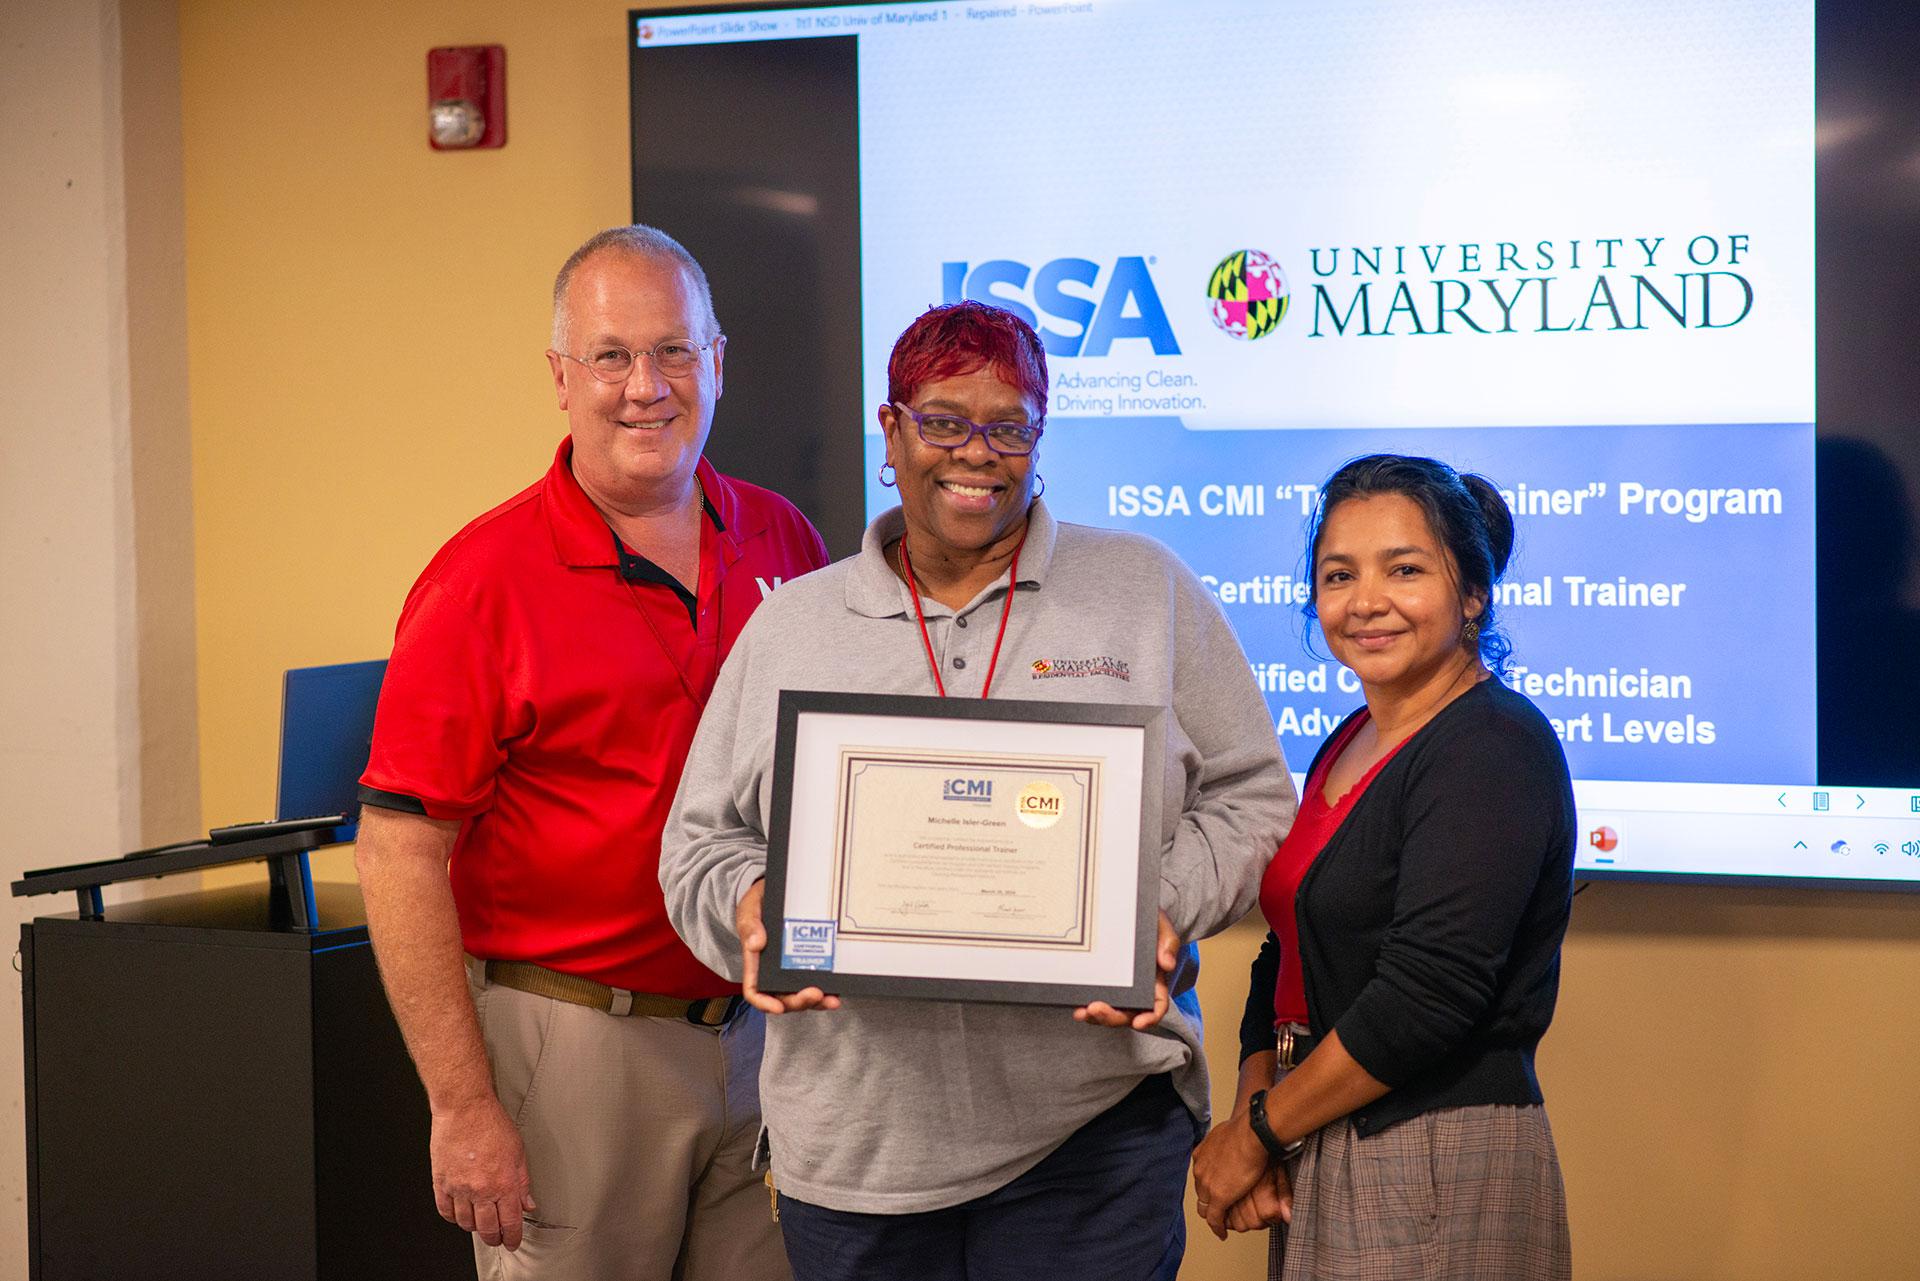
<point>1728,1076</point>
<point>367,318</point>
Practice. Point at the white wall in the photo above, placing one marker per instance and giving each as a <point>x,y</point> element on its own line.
<point>97,748</point>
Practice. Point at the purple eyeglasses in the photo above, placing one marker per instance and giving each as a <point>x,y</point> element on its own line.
<point>950,431</point>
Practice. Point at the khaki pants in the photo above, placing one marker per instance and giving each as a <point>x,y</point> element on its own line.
<point>639,1135</point>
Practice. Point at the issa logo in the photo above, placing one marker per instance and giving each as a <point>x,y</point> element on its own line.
<point>1249,293</point>
<point>1120,306</point>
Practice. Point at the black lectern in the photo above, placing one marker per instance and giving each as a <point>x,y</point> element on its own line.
<point>215,1087</point>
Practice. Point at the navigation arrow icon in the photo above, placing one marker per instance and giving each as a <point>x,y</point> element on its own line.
<point>1783,800</point>
<point>1799,845</point>
<point>1858,800</point>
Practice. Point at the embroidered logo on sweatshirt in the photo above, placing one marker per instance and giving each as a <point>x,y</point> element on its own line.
<point>1046,669</point>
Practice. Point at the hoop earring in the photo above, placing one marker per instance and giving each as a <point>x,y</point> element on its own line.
<point>1470,633</point>
<point>1041,481</point>
<point>888,481</point>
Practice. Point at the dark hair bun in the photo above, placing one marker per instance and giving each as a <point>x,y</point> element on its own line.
<point>1498,516</point>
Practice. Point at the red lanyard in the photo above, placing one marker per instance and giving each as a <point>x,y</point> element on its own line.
<point>1006,612</point>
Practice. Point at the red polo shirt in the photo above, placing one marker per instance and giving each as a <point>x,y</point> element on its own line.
<point>547,700</point>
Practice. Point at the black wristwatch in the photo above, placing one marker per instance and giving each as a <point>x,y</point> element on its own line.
<point>1257,1119</point>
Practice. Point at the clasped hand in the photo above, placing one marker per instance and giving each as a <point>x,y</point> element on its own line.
<point>1237,1187</point>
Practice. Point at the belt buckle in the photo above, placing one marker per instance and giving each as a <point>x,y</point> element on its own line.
<point>1285,1047</point>
<point>711,1012</point>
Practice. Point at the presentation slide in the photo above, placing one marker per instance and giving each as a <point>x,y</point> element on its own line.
<point>1570,248</point>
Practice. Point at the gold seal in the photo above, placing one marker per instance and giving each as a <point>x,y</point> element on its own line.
<point>1039,805</point>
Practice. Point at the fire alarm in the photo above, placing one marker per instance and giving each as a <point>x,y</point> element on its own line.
<point>467,97</point>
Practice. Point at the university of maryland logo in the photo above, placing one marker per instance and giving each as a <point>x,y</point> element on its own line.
<point>1249,293</point>
<point>1046,669</point>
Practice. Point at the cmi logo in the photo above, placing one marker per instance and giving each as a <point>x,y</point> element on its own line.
<point>973,791</point>
<point>1039,805</point>
<point>1249,293</point>
<point>1096,315</point>
<point>807,945</point>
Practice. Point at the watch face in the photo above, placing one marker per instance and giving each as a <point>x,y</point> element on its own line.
<point>456,122</point>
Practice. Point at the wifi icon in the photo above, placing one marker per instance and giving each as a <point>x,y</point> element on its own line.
<point>1880,847</point>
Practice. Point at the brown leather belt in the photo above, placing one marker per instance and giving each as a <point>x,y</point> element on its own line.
<point>522,976</point>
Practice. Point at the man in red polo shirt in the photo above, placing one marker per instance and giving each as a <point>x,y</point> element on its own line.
<point>593,1086</point>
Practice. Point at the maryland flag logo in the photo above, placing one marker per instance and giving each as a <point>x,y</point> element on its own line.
<point>1249,294</point>
<point>1041,666</point>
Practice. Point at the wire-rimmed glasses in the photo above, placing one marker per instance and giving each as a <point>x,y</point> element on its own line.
<point>611,363</point>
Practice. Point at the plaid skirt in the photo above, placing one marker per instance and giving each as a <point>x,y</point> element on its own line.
<point>1461,1194</point>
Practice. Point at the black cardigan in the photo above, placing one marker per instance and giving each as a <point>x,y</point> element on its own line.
<point>1430,925</point>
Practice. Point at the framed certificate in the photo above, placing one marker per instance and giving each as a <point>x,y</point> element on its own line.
<point>964,849</point>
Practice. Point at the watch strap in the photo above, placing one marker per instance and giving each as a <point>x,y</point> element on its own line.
<point>1257,1121</point>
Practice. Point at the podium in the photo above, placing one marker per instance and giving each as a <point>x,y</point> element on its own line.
<point>215,1086</point>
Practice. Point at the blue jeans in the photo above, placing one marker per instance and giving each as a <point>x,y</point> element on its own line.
<point>1106,1204</point>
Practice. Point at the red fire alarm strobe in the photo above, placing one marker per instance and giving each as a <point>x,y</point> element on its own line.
<point>467,97</point>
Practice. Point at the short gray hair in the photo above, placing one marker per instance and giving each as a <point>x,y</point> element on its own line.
<point>640,241</point>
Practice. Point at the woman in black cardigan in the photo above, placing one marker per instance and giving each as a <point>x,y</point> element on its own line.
<point>1389,1122</point>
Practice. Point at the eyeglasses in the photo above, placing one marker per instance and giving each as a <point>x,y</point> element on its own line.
<point>950,431</point>
<point>612,364</point>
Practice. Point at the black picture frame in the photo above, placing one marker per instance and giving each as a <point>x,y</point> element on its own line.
<point>1137,993</point>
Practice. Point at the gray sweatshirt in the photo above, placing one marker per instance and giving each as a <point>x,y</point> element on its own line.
<point>899,1106</point>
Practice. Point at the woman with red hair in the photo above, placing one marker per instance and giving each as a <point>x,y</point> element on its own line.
<point>946,1140</point>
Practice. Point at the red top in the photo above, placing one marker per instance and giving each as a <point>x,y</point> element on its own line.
<point>549,703</point>
<point>1312,828</point>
